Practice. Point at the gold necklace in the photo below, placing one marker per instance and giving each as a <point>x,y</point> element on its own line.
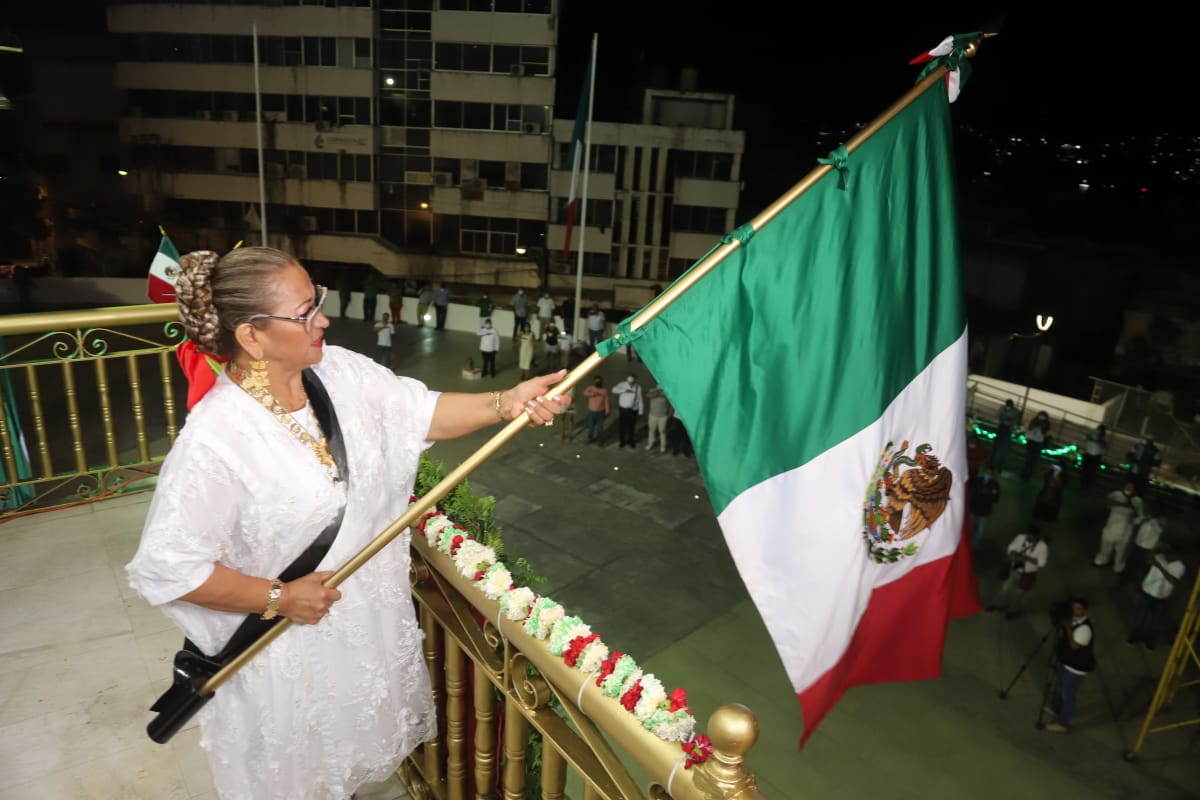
<point>255,384</point>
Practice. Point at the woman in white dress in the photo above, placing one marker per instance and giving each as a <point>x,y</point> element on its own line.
<point>525,350</point>
<point>342,697</point>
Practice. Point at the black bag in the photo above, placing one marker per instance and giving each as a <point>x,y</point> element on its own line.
<point>192,668</point>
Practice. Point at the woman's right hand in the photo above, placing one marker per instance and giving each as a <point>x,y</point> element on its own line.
<point>306,601</point>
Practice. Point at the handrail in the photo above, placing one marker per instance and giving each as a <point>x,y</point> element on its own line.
<point>41,322</point>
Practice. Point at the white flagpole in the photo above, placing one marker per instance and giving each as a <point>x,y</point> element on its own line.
<point>258,124</point>
<point>587,157</point>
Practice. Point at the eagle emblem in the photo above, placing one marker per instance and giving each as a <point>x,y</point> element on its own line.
<point>906,495</point>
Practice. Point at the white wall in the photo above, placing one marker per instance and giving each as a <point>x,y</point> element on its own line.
<point>1079,411</point>
<point>52,292</point>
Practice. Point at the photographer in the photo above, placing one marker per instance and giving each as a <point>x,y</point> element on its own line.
<point>1075,660</point>
<point>1164,572</point>
<point>1027,553</point>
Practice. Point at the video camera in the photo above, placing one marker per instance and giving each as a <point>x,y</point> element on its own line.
<point>1060,612</point>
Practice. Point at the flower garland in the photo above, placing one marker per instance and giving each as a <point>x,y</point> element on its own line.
<point>667,716</point>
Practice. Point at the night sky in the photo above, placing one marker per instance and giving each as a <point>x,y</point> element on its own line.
<point>1053,71</point>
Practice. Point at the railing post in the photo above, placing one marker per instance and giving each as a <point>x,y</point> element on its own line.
<point>516,734</point>
<point>733,729</point>
<point>485,733</point>
<point>456,721</point>
<point>432,646</point>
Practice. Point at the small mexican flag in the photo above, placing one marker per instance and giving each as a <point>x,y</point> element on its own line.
<point>160,287</point>
<point>951,51</point>
<point>821,373</point>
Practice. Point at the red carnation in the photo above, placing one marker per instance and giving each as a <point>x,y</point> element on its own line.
<point>697,750</point>
<point>607,666</point>
<point>577,646</point>
<point>678,700</point>
<point>630,698</point>
<point>455,543</point>
<point>479,575</point>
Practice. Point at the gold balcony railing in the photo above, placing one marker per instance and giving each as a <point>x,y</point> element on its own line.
<point>486,668</point>
<point>92,402</point>
<point>90,406</point>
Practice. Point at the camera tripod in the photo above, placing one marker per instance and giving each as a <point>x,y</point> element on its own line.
<point>1047,684</point>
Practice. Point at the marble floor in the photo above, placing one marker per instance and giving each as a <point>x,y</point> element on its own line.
<point>81,657</point>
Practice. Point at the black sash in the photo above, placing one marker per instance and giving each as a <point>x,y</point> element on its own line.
<point>192,667</point>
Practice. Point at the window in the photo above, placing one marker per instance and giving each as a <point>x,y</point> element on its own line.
<point>477,58</point>
<point>535,177</point>
<point>493,173</point>
<point>477,116</point>
<point>698,219</point>
<point>488,235</point>
<point>448,56</point>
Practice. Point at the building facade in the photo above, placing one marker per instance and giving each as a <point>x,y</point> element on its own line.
<point>416,138</point>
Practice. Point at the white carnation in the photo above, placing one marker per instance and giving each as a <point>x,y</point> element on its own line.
<point>496,581</point>
<point>653,695</point>
<point>473,556</point>
<point>515,603</point>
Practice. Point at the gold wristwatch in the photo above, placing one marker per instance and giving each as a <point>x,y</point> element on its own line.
<point>273,595</point>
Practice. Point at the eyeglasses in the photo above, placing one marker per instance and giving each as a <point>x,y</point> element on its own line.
<point>308,319</point>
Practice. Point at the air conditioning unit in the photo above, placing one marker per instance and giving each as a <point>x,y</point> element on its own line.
<point>275,116</point>
<point>308,223</point>
<point>533,127</point>
<point>203,113</point>
<point>517,70</point>
<point>512,171</point>
<point>296,171</point>
<point>229,116</point>
<point>443,179</point>
<point>473,185</point>
<point>512,186</point>
<point>273,170</point>
<point>322,125</point>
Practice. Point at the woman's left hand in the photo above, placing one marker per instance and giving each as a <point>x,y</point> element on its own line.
<point>529,398</point>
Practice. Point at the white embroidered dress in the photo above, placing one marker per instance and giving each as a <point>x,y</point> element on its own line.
<point>325,707</point>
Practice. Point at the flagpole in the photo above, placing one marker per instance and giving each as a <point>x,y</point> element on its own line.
<point>719,254</point>
<point>428,501</point>
<point>258,120</point>
<point>573,325</point>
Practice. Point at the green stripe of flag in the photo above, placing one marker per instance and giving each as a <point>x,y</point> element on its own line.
<point>803,337</point>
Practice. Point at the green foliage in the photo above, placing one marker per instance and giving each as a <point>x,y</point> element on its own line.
<point>476,515</point>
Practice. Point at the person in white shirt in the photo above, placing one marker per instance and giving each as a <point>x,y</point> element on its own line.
<point>630,406</point>
<point>1125,514</point>
<point>489,345</point>
<point>545,311</point>
<point>1148,534</point>
<point>660,412</point>
<point>1164,573</point>
<point>1094,444</point>
<point>383,341</point>
<point>520,307</point>
<point>1027,554</point>
<point>596,324</point>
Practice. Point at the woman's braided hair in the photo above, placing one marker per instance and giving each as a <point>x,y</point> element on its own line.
<point>217,294</point>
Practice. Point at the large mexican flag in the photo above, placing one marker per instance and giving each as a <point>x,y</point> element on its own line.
<point>821,373</point>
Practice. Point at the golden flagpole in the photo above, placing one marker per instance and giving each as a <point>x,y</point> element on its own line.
<point>424,504</point>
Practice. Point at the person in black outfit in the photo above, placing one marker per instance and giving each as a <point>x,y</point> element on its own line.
<point>1076,659</point>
